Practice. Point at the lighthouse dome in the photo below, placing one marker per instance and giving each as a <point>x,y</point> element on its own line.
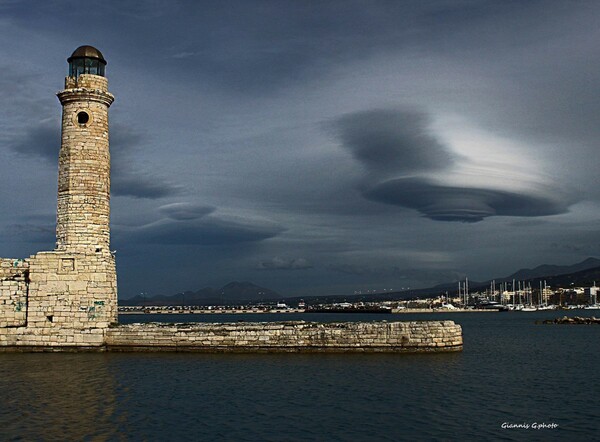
<point>86,60</point>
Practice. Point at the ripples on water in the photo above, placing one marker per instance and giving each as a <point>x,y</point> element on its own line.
<point>510,371</point>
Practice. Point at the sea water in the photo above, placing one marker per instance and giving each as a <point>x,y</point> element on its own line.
<point>515,380</point>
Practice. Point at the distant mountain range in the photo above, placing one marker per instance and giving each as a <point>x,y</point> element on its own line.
<point>234,292</point>
<point>552,270</point>
<point>544,271</point>
<point>584,273</point>
<point>582,278</point>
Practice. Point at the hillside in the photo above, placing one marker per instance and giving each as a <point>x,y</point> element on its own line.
<point>234,292</point>
<point>552,270</point>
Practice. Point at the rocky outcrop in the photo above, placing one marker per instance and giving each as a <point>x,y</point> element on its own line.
<point>573,320</point>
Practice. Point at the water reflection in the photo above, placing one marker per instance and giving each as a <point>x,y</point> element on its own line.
<point>56,396</point>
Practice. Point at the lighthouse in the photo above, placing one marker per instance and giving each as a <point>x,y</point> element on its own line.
<point>83,213</point>
<point>75,285</point>
<point>67,297</point>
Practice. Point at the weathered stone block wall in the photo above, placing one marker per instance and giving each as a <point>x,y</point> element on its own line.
<point>13,292</point>
<point>87,81</point>
<point>60,299</point>
<point>10,267</point>
<point>297,336</point>
<point>74,290</point>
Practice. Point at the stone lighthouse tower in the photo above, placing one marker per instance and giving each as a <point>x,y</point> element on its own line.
<point>86,274</point>
<point>83,214</point>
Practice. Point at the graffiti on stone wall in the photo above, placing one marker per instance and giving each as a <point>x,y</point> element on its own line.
<point>13,302</point>
<point>94,311</point>
<point>18,306</point>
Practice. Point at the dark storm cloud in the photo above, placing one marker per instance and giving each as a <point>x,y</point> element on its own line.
<point>43,141</point>
<point>32,233</point>
<point>186,211</point>
<point>21,93</point>
<point>397,145</point>
<point>265,45</point>
<point>125,143</point>
<point>402,273</point>
<point>395,142</point>
<point>246,46</point>
<point>279,263</point>
<point>259,46</point>
<point>449,203</point>
<point>123,139</point>
<point>133,184</point>
<point>206,231</point>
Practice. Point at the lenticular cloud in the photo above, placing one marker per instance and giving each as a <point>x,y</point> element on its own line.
<point>399,152</point>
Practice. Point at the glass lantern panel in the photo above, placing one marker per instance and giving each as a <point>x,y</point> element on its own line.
<point>86,66</point>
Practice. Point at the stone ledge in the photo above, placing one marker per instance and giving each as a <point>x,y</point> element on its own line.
<point>288,337</point>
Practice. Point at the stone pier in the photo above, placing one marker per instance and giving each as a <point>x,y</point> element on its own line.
<point>254,337</point>
<point>292,336</point>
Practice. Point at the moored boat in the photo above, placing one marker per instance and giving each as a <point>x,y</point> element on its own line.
<point>492,305</point>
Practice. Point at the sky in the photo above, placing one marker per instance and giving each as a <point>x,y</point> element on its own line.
<point>315,147</point>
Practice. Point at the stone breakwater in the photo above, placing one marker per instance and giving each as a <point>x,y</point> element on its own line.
<point>292,336</point>
<point>255,337</point>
